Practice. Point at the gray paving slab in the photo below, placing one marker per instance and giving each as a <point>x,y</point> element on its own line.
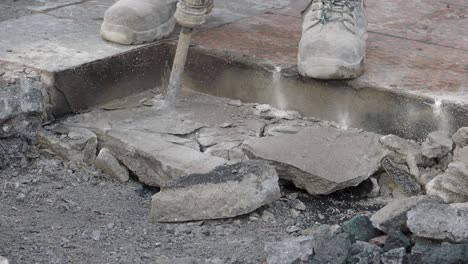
<point>55,35</point>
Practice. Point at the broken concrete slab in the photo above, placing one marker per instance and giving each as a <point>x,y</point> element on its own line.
<point>437,145</point>
<point>452,185</point>
<point>293,250</point>
<point>445,222</point>
<point>70,143</point>
<point>460,138</point>
<point>226,191</point>
<point>154,160</point>
<point>321,160</point>
<point>107,163</point>
<point>393,215</point>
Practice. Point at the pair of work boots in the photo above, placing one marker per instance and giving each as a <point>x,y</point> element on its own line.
<point>333,43</point>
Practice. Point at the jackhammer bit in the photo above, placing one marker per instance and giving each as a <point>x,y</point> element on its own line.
<point>189,14</point>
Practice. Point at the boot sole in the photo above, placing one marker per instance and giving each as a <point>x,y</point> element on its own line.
<point>331,69</point>
<point>126,36</point>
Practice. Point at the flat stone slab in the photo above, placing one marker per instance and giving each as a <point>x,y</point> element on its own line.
<point>226,191</point>
<point>321,160</point>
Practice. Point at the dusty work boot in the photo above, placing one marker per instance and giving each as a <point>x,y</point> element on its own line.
<point>139,21</point>
<point>333,43</point>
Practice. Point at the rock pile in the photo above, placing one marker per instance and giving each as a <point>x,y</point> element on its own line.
<point>432,233</point>
<point>200,163</point>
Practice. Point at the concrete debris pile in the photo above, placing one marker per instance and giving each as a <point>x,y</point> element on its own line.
<point>207,137</point>
<point>423,230</point>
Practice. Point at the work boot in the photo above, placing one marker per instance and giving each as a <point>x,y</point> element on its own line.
<point>333,43</point>
<point>139,21</point>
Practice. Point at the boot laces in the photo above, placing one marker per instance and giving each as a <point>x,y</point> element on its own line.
<point>334,10</point>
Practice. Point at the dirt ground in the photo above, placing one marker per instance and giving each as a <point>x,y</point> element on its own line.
<point>57,212</point>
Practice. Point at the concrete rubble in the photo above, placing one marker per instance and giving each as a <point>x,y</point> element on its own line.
<point>440,222</point>
<point>155,161</point>
<point>452,185</point>
<point>70,143</point>
<point>216,164</point>
<point>24,104</point>
<point>110,165</point>
<point>460,138</point>
<point>320,160</point>
<point>393,216</point>
<point>437,145</point>
<point>226,191</point>
<point>289,250</point>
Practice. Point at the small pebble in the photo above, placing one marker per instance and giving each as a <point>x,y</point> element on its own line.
<point>96,235</point>
<point>293,229</point>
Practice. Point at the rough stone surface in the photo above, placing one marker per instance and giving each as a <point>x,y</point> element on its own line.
<point>451,186</point>
<point>405,180</point>
<point>404,151</point>
<point>396,239</point>
<point>154,160</point>
<point>360,228</point>
<point>320,160</point>
<point>429,252</point>
<point>393,216</point>
<point>460,138</point>
<point>440,221</point>
<point>289,251</point>
<point>364,253</point>
<point>227,191</point>
<point>329,246</point>
<point>107,163</point>
<point>437,145</point>
<point>394,256</point>
<point>23,100</point>
<point>461,154</point>
<point>73,144</point>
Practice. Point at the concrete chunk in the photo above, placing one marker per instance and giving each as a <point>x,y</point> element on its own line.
<point>227,191</point>
<point>437,145</point>
<point>321,160</point>
<point>108,164</point>
<point>440,221</point>
<point>154,160</point>
<point>393,216</point>
<point>451,186</point>
<point>70,143</point>
<point>460,138</point>
<point>289,251</point>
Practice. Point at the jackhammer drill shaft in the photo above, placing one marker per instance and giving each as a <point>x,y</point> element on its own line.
<point>189,14</point>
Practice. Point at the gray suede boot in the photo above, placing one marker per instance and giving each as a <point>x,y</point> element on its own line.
<point>333,43</point>
<point>138,21</point>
